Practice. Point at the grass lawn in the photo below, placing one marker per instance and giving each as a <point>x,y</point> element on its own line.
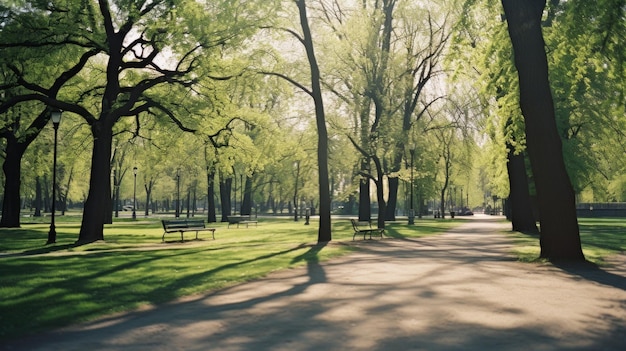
<point>600,237</point>
<point>44,287</point>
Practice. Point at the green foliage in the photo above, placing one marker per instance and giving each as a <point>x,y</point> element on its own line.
<point>588,79</point>
<point>586,73</point>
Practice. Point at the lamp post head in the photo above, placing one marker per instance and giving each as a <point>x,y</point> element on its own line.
<point>135,170</point>
<point>55,115</point>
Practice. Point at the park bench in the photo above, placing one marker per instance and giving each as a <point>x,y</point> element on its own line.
<point>247,220</point>
<point>185,225</point>
<point>365,228</point>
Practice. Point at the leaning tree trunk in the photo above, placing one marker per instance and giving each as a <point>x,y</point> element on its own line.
<point>98,201</point>
<point>560,238</point>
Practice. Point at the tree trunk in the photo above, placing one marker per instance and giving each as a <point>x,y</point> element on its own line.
<point>522,218</point>
<point>392,201</point>
<point>324,233</point>
<point>560,238</point>
<point>98,198</point>
<point>365,206</point>
<point>225,189</point>
<point>442,204</point>
<point>246,203</point>
<point>148,186</point>
<point>211,215</point>
<point>12,168</point>
<point>380,193</point>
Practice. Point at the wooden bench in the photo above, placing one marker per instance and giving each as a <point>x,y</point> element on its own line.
<point>365,228</point>
<point>247,220</point>
<point>185,225</point>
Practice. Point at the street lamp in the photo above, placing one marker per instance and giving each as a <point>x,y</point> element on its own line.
<point>411,210</point>
<point>177,192</point>
<point>55,116</point>
<point>135,192</point>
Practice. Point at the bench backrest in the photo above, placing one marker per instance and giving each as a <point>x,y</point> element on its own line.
<point>356,224</point>
<point>237,219</point>
<point>182,223</point>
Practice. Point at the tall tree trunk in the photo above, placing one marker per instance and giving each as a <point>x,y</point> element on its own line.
<point>522,218</point>
<point>324,233</point>
<point>560,238</point>
<point>380,193</point>
<point>392,200</point>
<point>442,203</point>
<point>225,189</point>
<point>146,211</point>
<point>148,186</point>
<point>211,215</point>
<point>365,206</point>
<point>246,203</point>
<point>99,196</point>
<point>12,168</point>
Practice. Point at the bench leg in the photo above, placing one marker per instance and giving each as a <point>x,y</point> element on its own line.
<point>181,237</point>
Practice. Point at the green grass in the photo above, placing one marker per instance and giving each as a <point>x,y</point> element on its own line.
<point>600,237</point>
<point>44,287</point>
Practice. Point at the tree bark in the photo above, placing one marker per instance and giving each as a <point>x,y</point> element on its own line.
<point>211,215</point>
<point>392,201</point>
<point>560,238</point>
<point>98,201</point>
<point>246,203</point>
<point>225,188</point>
<point>365,206</point>
<point>12,168</point>
<point>522,218</point>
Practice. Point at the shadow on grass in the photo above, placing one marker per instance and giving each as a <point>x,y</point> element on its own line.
<point>106,278</point>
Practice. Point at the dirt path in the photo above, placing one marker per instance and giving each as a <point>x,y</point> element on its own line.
<point>457,291</point>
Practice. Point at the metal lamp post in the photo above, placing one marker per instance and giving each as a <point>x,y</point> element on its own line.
<point>135,193</point>
<point>55,116</point>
